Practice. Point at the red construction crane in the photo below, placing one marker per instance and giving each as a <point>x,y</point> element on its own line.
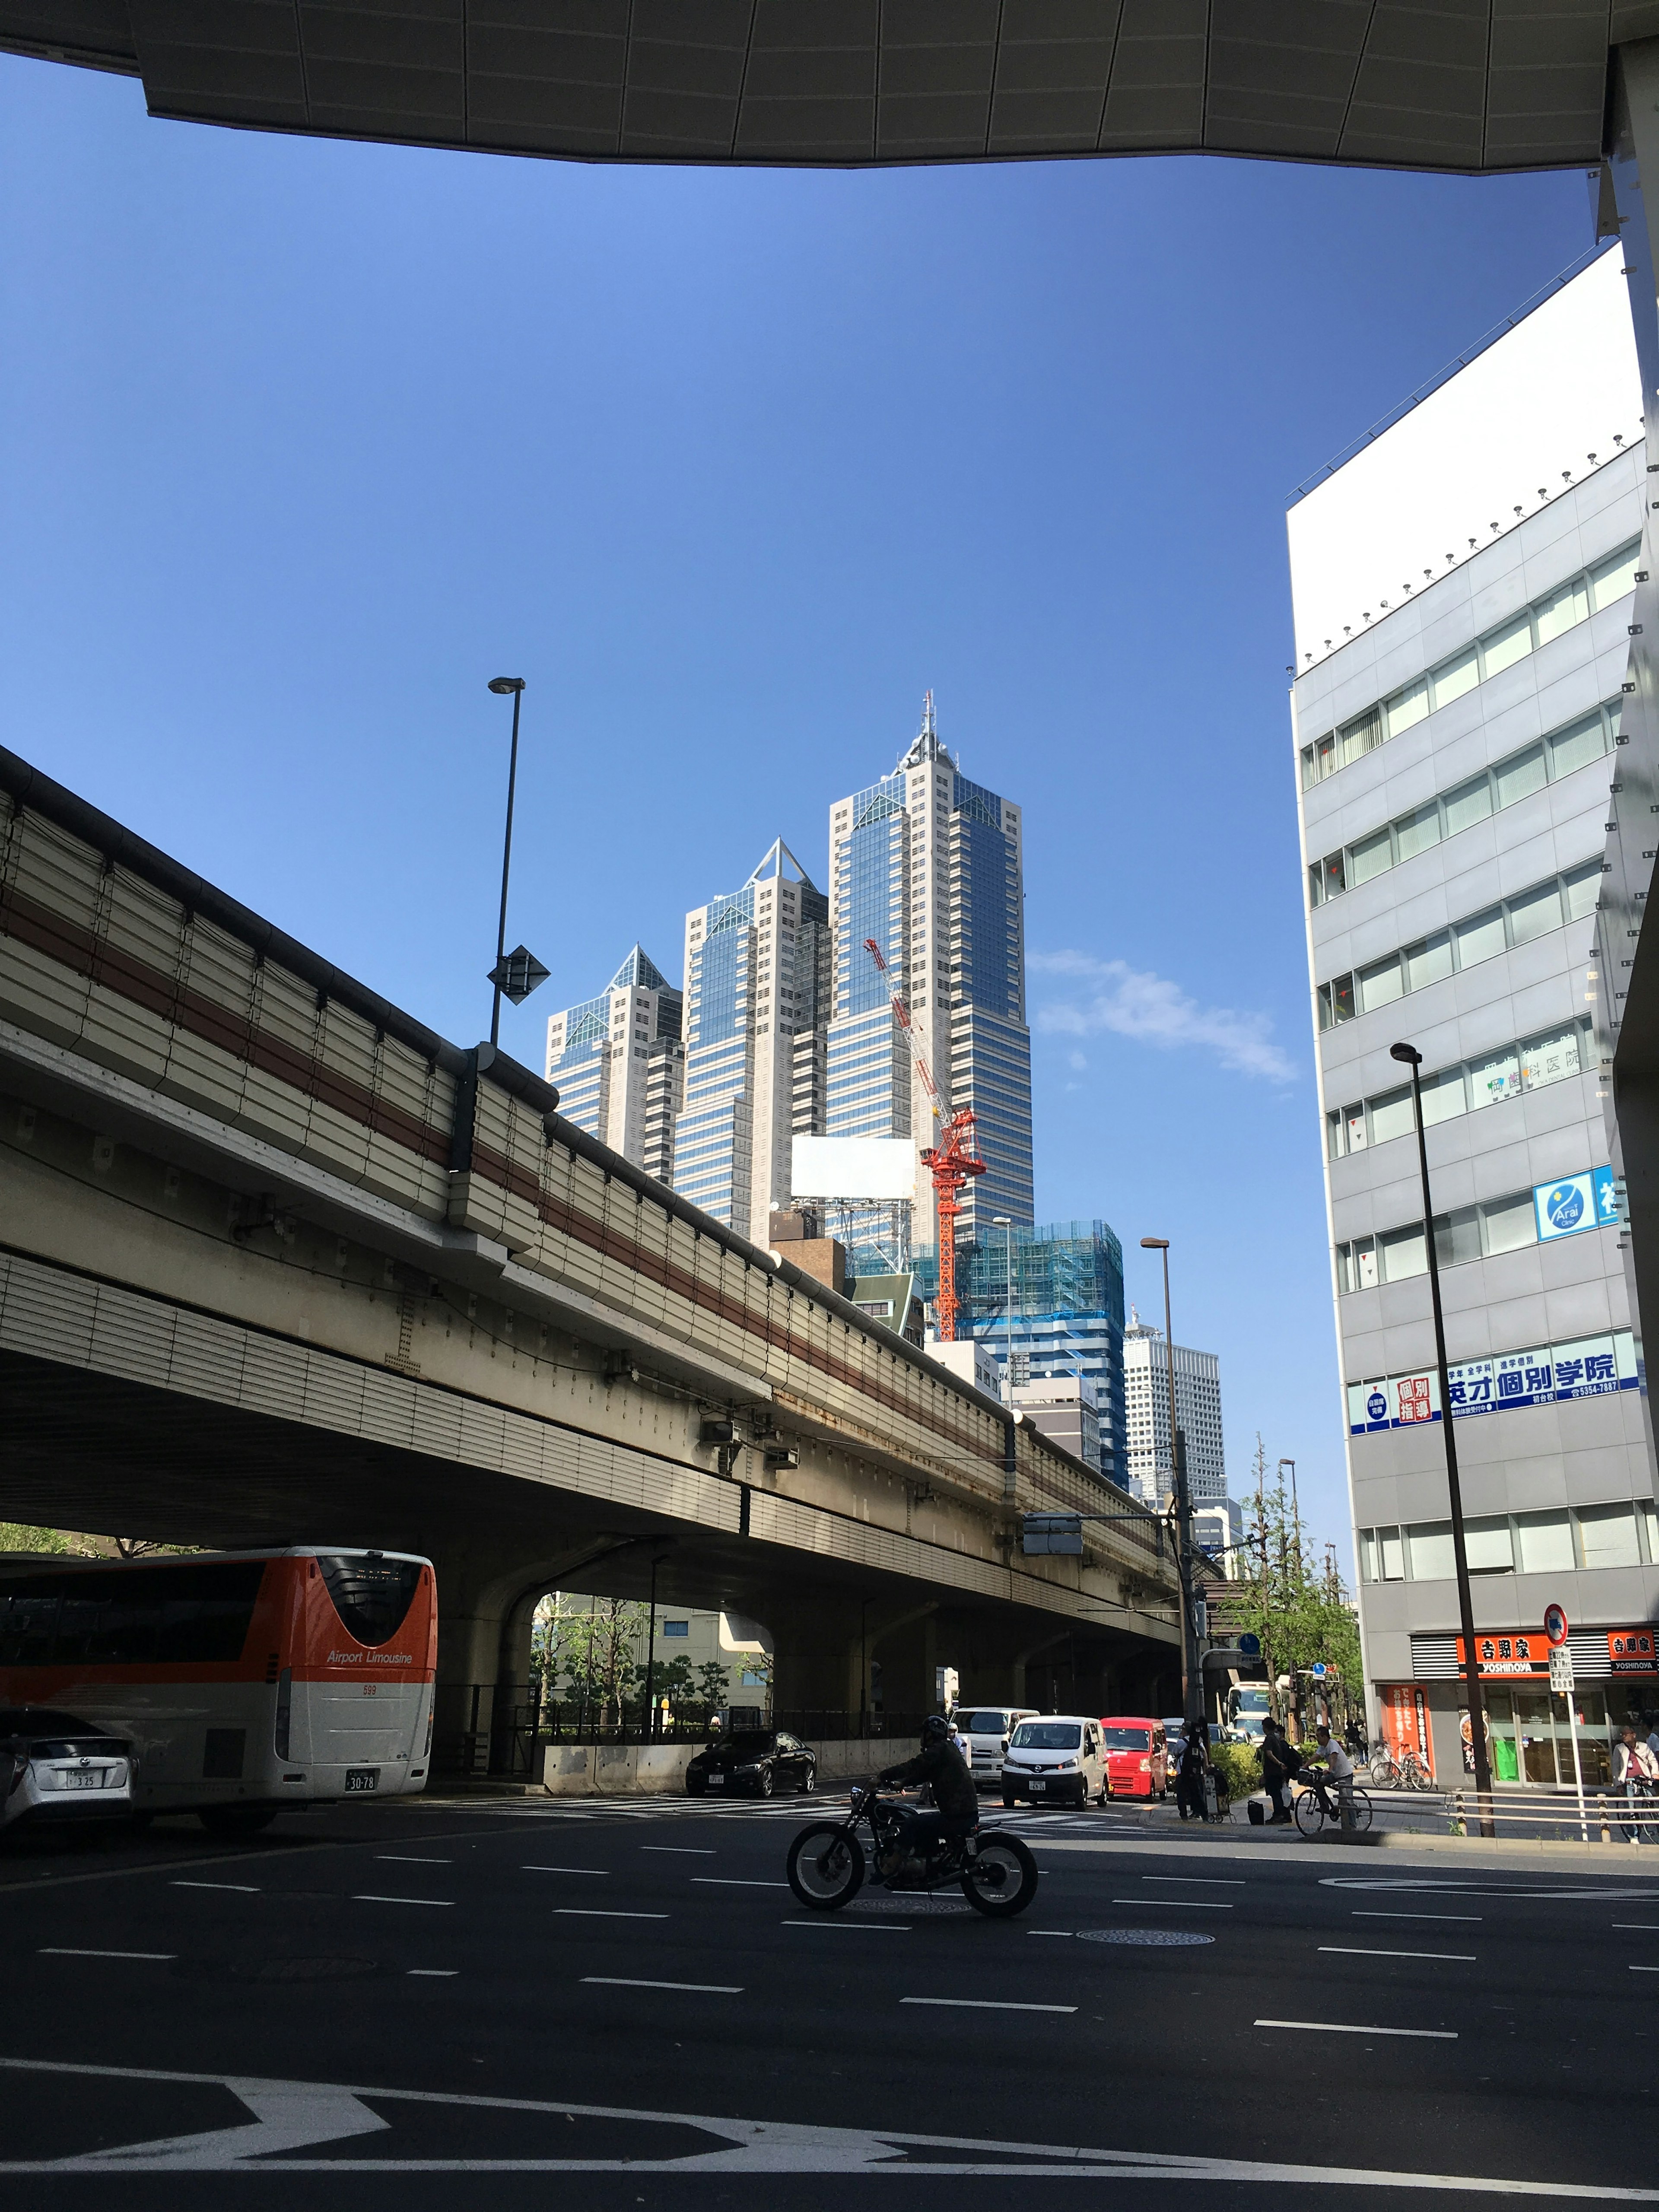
<point>951,1157</point>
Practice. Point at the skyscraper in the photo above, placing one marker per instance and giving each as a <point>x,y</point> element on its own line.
<point>619,1064</point>
<point>756,977</point>
<point>928,865</point>
<point>1198,1416</point>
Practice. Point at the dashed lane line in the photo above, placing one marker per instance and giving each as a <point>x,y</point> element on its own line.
<point>370,1897</point>
<point>1172,1904</point>
<point>633,1981</point>
<point>241,1888</point>
<point>736,1881</point>
<point>553,1869</point>
<point>67,1951</point>
<point>1346,2027</point>
<point>1359,1951</point>
<point>864,1927</point>
<point>985,2004</point>
<point>408,1858</point>
<point>596,1912</point>
<point>1195,1881</point>
<point>682,1850</point>
<point>433,1973</point>
<point>1470,1919</point>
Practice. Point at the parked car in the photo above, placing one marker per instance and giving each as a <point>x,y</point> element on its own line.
<point>1136,1756</point>
<point>985,1731</point>
<point>54,1766</point>
<point>1054,1759</point>
<point>755,1760</point>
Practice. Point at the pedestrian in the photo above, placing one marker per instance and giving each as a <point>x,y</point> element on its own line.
<point>1635,1773</point>
<point>1340,1767</point>
<point>1190,1771</point>
<point>1279,1761</point>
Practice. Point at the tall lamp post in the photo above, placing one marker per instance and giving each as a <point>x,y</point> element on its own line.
<point>501,685</point>
<point>1410,1057</point>
<point>1190,1667</point>
<point>1005,1223</point>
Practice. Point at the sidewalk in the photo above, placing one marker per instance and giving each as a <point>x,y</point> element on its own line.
<point>1404,1848</point>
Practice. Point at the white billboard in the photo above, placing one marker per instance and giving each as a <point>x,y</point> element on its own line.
<point>1525,414</point>
<point>853,1167</point>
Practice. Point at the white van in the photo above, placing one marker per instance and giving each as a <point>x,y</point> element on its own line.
<point>984,1730</point>
<point>1054,1759</point>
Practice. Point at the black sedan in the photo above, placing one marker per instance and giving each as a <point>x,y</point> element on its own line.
<point>754,1761</point>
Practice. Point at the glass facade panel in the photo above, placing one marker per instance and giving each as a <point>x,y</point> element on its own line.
<point>1403,1253</point>
<point>1480,938</point>
<point>1408,707</point>
<point>1392,1114</point>
<point>1372,856</point>
<point>1612,579</point>
<point>1509,1223</point>
<point>1455,677</point>
<point>1576,747</point>
<point>1415,833</point>
<point>1535,913</point>
<point>1562,610</point>
<point>1361,736</point>
<point>1380,983</point>
<point>1502,648</point>
<point>1457,1236</point>
<point>1444,1097</point>
<point>1428,962</point>
<point>1519,776</point>
<point>1393,1554</point>
<point>1470,803</point>
<point>1583,887</point>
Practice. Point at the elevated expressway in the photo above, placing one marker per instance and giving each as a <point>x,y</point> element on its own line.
<point>277,1261</point>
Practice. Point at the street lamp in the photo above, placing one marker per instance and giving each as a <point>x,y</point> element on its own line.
<point>1194,1685</point>
<point>1409,1056</point>
<point>516,975</point>
<point>1005,1223</point>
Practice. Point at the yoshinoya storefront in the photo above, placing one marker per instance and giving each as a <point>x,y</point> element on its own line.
<point>1530,1732</point>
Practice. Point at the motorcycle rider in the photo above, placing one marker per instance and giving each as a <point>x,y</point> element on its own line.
<point>941,1765</point>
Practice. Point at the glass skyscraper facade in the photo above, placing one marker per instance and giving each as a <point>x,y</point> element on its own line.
<point>928,865</point>
<point>618,1062</point>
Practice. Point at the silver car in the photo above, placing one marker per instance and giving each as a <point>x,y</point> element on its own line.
<point>54,1766</point>
<point>984,1730</point>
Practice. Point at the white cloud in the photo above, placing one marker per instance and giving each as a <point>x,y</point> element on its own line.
<point>1134,1002</point>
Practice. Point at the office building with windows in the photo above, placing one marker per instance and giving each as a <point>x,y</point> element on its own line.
<point>619,1064</point>
<point>1149,1456</point>
<point>757,983</point>
<point>1047,1303</point>
<point>1457,719</point>
<point>928,865</point>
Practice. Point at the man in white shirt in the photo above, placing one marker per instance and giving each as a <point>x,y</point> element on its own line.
<point>1338,1765</point>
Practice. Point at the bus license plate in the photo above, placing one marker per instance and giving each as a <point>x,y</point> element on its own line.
<point>361,1778</point>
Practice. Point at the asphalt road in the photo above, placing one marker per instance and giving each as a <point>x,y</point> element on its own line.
<point>436,2005</point>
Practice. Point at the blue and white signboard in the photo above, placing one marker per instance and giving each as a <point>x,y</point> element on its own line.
<point>1588,1367</point>
<point>1577,1202</point>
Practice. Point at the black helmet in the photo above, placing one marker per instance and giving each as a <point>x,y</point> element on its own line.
<point>935,1728</point>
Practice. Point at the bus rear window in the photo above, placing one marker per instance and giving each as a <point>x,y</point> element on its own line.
<point>175,1616</point>
<point>371,1596</point>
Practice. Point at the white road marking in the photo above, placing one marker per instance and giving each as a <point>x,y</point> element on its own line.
<point>553,1869</point>
<point>1645,1970</point>
<point>1065,1932</point>
<point>629,1982</point>
<point>64,1951</point>
<point>1195,1881</point>
<point>1175,1903</point>
<point>408,1858</point>
<point>1472,1919</point>
<point>598,1912</point>
<point>435,1973</point>
<point>735,1881</point>
<point>1650,1925</point>
<point>1342,2028</point>
<point>242,1889</point>
<point>1358,1951</point>
<point>680,1850</point>
<point>291,2114</point>
<point>985,2004</point>
<point>865,1927</point>
<point>369,1897</point>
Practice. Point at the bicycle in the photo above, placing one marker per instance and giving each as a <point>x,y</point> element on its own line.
<point>1317,1804</point>
<point>1385,1771</point>
<point>1413,1772</point>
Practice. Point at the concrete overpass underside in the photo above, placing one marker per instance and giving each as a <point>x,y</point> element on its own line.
<point>277,1262</point>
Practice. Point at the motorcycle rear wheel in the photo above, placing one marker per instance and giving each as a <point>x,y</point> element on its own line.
<point>1001,1878</point>
<point>825,1866</point>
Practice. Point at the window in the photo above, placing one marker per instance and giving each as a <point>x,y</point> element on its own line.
<point>1470,803</point>
<point>1408,707</point>
<point>1428,962</point>
<point>1479,938</point>
<point>1429,1544</point>
<point>1548,1059</point>
<point>1361,736</point>
<point>1489,1546</point>
<point>1380,983</point>
<point>1457,1236</point>
<point>1372,856</point>
<point>1509,1223</point>
<point>1607,1535</point>
<point>1563,610</point>
<point>1545,1542</point>
<point>1415,833</point>
<point>1392,1554</point>
<point>1535,913</point>
<point>1501,648</point>
<point>1497,1076</point>
<point>1401,1254</point>
<point>1611,580</point>
<point>1445,1096</point>
<point>1520,775</point>
<point>676,1628</point>
<point>1455,677</point>
<point>1392,1116</point>
<point>1583,886</point>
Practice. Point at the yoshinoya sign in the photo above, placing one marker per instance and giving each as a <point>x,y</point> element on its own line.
<point>1630,1651</point>
<point>1586,1367</point>
<point>1525,1655</point>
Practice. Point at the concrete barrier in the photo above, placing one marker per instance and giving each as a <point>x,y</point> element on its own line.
<point>638,1770</point>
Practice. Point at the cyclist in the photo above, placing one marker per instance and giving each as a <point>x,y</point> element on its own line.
<point>941,1765</point>
<point>1637,1770</point>
<point>1331,1763</point>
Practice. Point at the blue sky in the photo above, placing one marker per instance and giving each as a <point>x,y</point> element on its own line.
<point>301,443</point>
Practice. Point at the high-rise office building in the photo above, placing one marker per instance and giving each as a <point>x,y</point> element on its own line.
<point>928,865</point>
<point>619,1064</point>
<point>757,982</point>
<point>1047,1304</point>
<point>1457,726</point>
<point>1150,1454</point>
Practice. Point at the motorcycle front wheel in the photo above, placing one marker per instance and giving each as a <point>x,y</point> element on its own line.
<point>1001,1878</point>
<point>825,1866</point>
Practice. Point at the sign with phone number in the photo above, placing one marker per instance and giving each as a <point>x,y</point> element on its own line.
<point>1591,1367</point>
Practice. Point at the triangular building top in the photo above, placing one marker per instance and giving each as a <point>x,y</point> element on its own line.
<point>638,973</point>
<point>779,862</point>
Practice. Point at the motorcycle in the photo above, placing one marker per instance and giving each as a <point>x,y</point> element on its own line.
<point>827,1863</point>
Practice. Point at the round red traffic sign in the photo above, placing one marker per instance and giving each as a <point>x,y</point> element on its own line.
<point>1555,1626</point>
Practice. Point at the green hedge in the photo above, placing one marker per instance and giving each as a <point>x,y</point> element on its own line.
<point>1239,1764</point>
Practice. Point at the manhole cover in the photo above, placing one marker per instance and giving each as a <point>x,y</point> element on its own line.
<point>1156,1939</point>
<point>908,1906</point>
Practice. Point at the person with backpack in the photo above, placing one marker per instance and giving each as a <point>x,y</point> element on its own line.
<point>1280,1760</point>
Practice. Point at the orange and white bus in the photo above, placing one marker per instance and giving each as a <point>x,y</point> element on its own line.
<point>244,1680</point>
